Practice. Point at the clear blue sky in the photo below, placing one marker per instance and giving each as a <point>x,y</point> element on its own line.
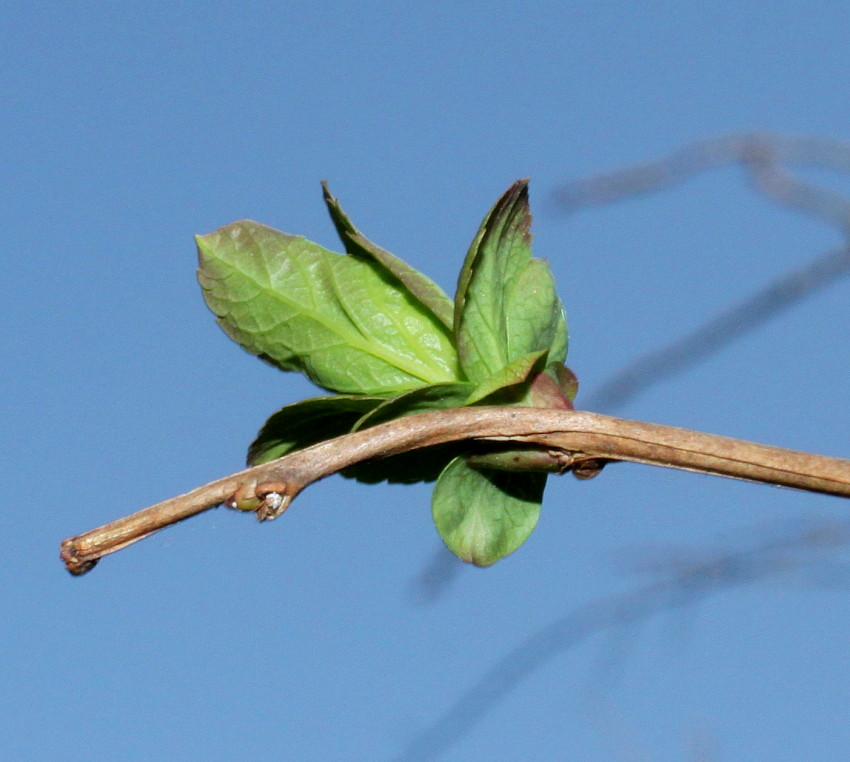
<point>127,129</point>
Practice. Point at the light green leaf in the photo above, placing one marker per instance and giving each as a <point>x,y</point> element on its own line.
<point>499,252</point>
<point>338,319</point>
<point>429,294</point>
<point>308,422</point>
<point>510,381</point>
<point>534,317</point>
<point>484,515</point>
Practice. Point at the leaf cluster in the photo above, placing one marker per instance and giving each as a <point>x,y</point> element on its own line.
<point>388,342</point>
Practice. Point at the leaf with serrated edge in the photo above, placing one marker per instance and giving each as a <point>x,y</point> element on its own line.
<point>333,317</point>
<point>308,422</point>
<point>420,285</point>
<point>484,515</point>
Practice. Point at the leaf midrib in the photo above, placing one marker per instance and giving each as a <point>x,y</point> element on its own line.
<point>350,339</point>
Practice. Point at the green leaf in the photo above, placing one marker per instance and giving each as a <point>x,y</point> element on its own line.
<point>508,385</point>
<point>484,515</point>
<point>308,422</point>
<point>338,319</point>
<point>534,317</point>
<point>422,465</point>
<point>506,305</point>
<point>498,254</point>
<point>429,294</point>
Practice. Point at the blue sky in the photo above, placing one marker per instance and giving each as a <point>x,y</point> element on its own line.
<point>126,130</point>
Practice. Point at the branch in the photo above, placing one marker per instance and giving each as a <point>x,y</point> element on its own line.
<point>582,441</point>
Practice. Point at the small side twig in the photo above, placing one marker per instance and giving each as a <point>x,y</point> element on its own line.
<point>582,441</point>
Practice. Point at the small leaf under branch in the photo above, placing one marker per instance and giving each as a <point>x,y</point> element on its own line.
<point>484,515</point>
<point>308,422</point>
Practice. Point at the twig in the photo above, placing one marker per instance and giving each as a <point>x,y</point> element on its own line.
<point>678,585</point>
<point>582,441</point>
<point>714,334</point>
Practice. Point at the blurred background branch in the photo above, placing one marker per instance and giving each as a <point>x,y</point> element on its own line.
<point>808,552</point>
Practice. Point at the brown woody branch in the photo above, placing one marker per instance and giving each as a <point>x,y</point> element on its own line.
<point>580,440</point>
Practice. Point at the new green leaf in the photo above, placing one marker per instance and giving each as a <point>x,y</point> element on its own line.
<point>506,306</point>
<point>484,515</point>
<point>422,465</point>
<point>534,317</point>
<point>509,384</point>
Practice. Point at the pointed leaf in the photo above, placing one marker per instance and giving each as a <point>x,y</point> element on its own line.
<point>333,317</point>
<point>508,385</point>
<point>498,254</point>
<point>483,515</point>
<point>429,294</point>
<point>306,423</point>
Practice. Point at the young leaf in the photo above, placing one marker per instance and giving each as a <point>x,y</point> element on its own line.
<point>508,385</point>
<point>308,422</point>
<point>484,515</point>
<point>434,397</point>
<point>534,317</point>
<point>429,294</point>
<point>335,318</point>
<point>565,378</point>
<point>499,252</point>
<point>506,306</point>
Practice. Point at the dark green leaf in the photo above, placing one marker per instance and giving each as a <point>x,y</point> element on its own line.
<point>484,515</point>
<point>333,317</point>
<point>429,294</point>
<point>308,422</point>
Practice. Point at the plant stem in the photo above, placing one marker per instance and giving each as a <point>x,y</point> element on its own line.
<point>579,439</point>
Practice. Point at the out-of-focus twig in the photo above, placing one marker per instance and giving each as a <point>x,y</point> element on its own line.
<point>762,157</point>
<point>720,331</point>
<point>679,583</point>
